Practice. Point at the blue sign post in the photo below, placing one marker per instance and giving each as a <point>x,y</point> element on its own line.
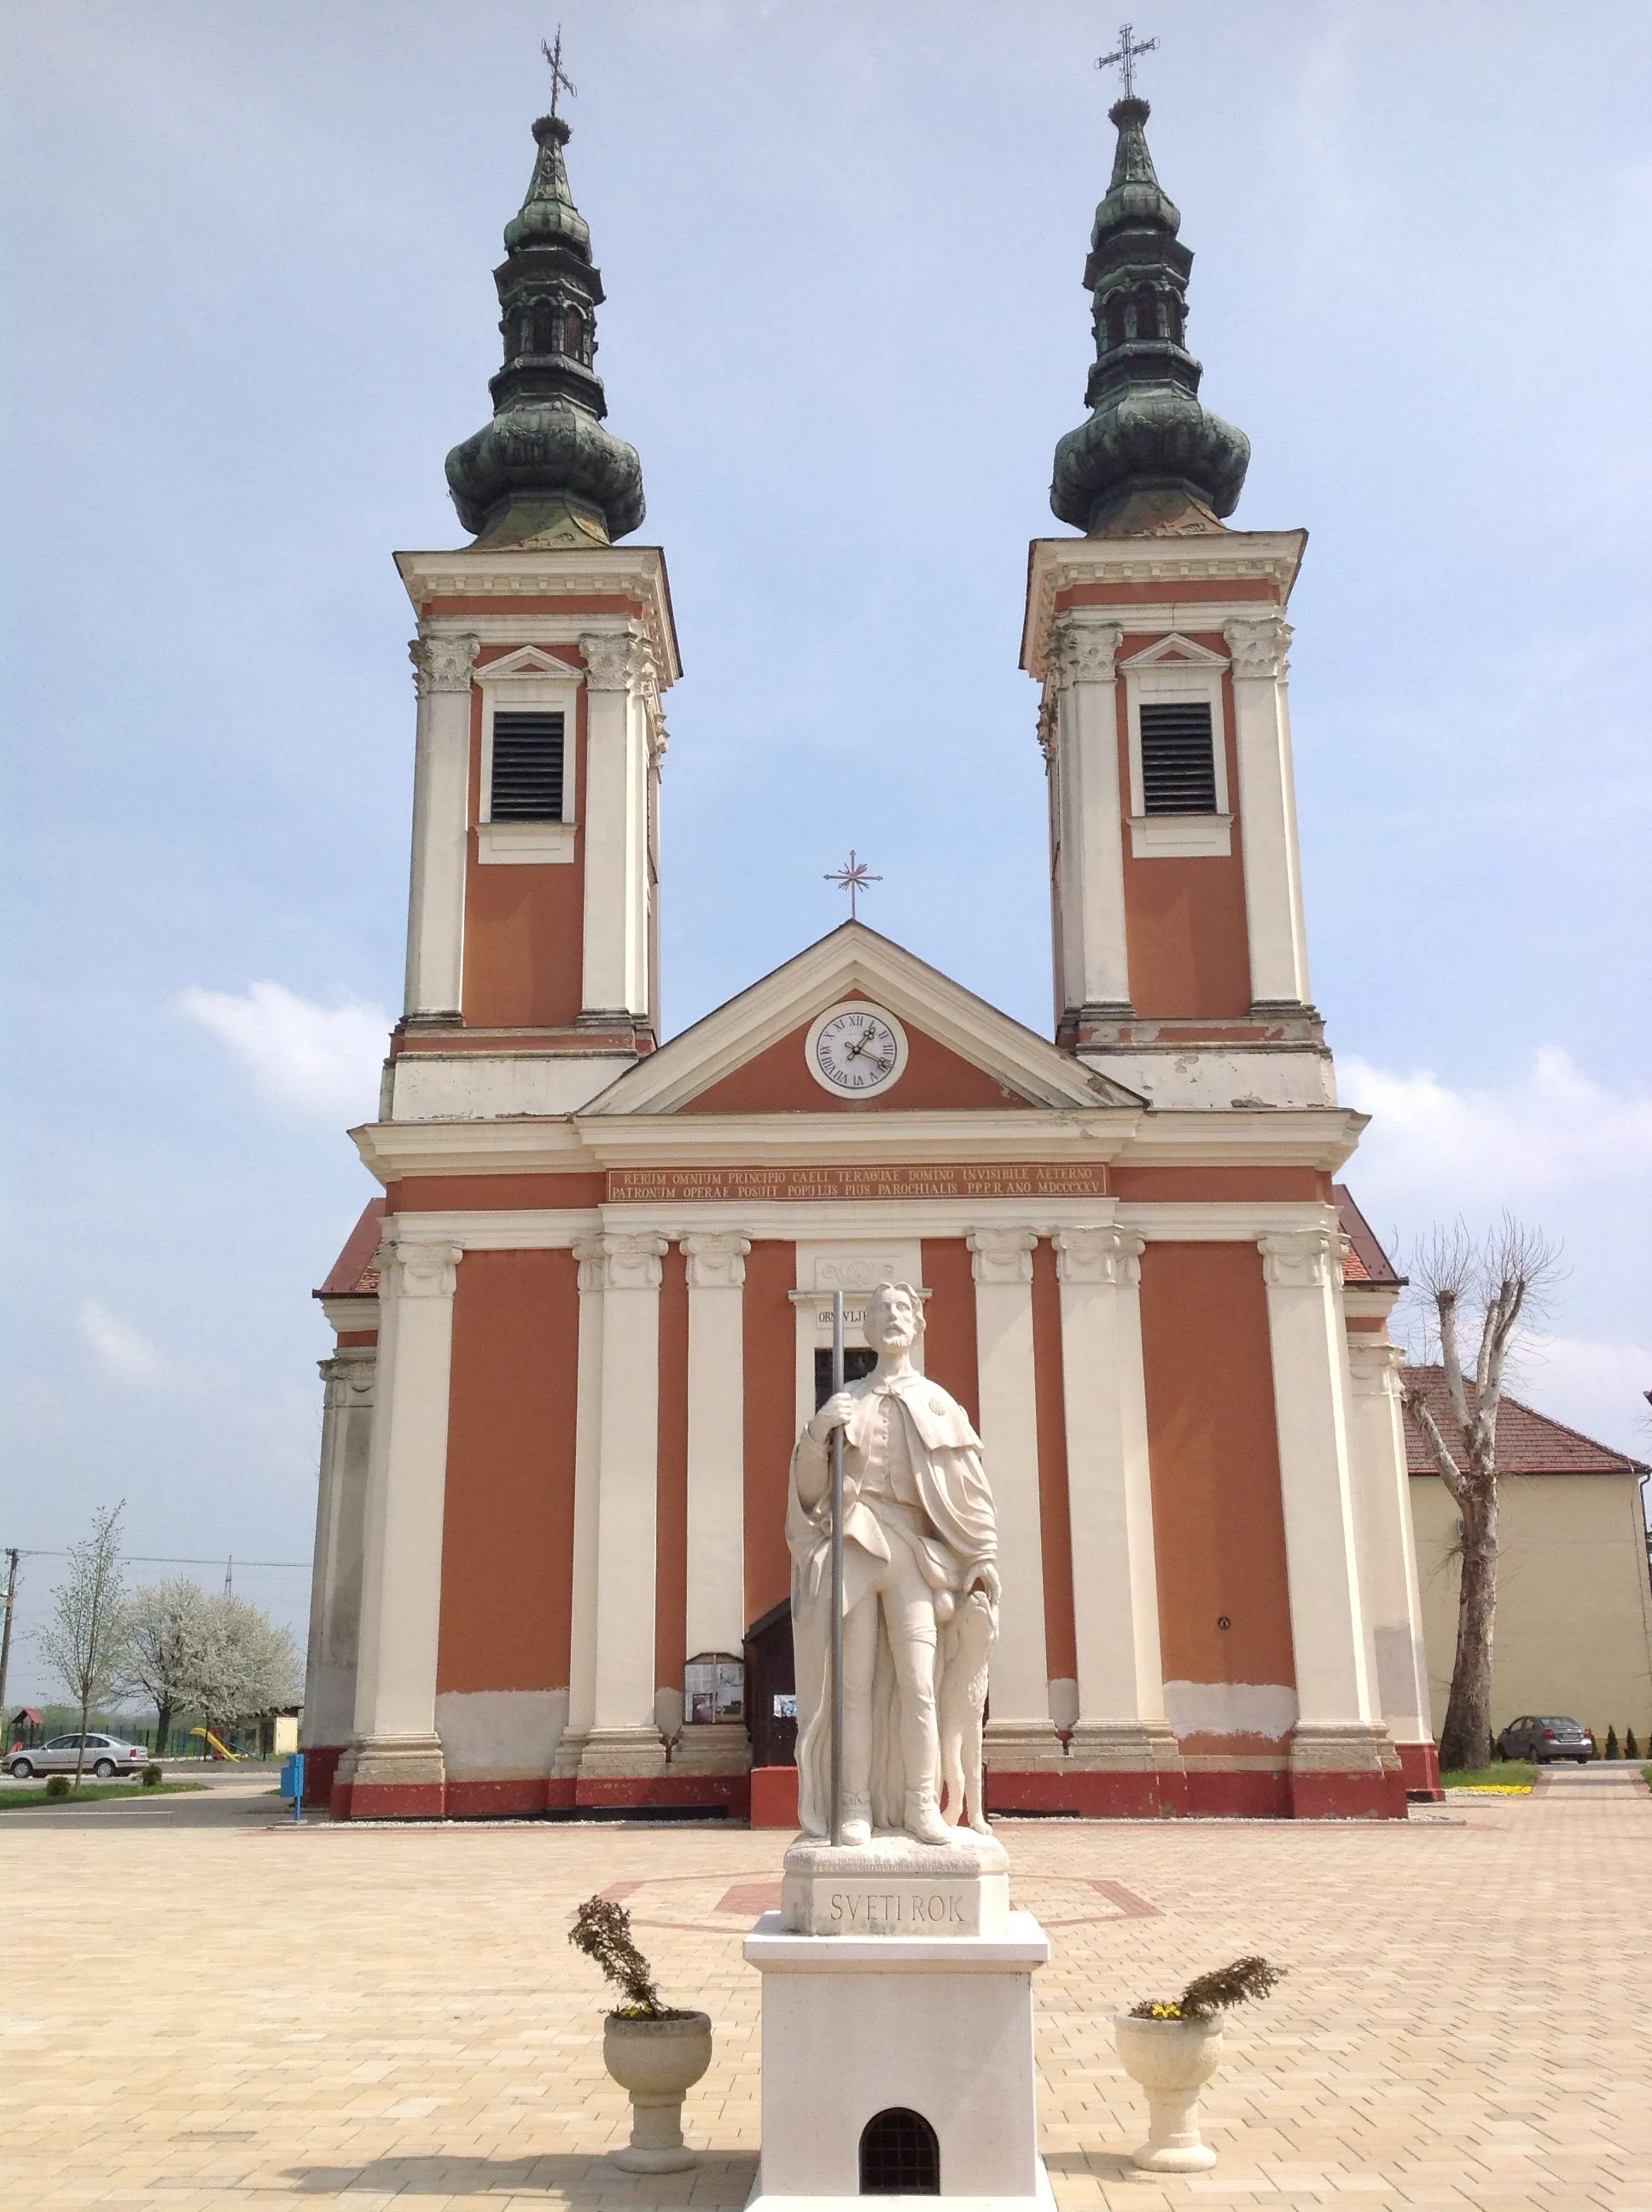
<point>292,1781</point>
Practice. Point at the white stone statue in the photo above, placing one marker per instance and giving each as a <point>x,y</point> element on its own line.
<point>921,1595</point>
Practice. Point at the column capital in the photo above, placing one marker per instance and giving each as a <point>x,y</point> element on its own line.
<point>1301,1259</point>
<point>349,1375</point>
<point>716,1260</point>
<point>613,658</point>
<point>1002,1255</point>
<point>408,1270</point>
<point>1373,1358</point>
<point>442,664</point>
<point>1102,1254</point>
<point>627,1260</point>
<point>1083,647</point>
<point>1257,644</point>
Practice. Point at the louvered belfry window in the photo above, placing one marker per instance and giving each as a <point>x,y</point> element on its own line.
<point>1178,758</point>
<point>527,772</point>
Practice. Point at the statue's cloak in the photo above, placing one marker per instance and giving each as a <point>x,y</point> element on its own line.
<point>945,1456</point>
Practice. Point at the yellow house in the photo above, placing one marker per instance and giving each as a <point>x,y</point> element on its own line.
<point>1574,1626</point>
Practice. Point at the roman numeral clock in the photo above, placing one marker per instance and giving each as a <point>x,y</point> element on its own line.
<point>856,1050</point>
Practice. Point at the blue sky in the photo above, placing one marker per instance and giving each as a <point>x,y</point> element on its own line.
<point>248,258</point>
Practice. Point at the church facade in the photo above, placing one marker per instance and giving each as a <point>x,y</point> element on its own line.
<point>580,1331</point>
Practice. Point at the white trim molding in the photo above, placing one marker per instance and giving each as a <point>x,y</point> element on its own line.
<point>521,682</point>
<point>1176,668</point>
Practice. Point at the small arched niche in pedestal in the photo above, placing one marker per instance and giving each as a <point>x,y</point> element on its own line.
<point>900,2155</point>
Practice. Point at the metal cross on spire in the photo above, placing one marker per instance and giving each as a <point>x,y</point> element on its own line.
<point>1126,55</point>
<point>560,80</point>
<point>854,878</point>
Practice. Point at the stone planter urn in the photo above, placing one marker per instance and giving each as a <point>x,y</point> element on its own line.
<point>657,2061</point>
<point>1172,2059</point>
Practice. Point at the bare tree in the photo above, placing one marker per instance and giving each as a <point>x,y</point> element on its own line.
<point>242,1662</point>
<point>1493,1285</point>
<point>162,1629</point>
<point>82,1642</point>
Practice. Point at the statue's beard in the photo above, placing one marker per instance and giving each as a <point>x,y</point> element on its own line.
<point>895,1339</point>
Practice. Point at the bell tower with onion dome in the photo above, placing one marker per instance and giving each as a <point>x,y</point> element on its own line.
<point>1159,637</point>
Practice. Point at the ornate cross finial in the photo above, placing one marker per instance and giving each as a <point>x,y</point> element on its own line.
<point>560,81</point>
<point>852,878</point>
<point>1126,55</point>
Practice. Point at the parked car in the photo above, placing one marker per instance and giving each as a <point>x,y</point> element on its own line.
<point>1545,1737</point>
<point>104,1756</point>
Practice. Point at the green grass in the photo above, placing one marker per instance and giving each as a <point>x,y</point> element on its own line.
<point>90,1792</point>
<point>1507,1774</point>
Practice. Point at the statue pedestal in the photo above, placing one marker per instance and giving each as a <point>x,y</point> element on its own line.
<point>894,1886</point>
<point>898,2046</point>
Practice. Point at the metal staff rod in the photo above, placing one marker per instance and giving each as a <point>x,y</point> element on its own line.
<point>837,1578</point>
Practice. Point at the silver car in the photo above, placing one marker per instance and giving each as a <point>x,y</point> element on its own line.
<point>102,1756</point>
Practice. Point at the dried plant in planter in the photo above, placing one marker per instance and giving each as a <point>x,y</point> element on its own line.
<point>1214,1992</point>
<point>602,1929</point>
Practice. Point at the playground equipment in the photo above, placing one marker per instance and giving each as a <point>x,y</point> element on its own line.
<point>218,1749</point>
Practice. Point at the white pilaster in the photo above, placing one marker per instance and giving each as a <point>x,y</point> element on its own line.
<point>1020,1733</point>
<point>441,771</point>
<point>1388,1550</point>
<point>623,1739</point>
<point>1121,1720</point>
<point>618,676</point>
<point>1267,812</point>
<point>340,1524</point>
<point>587,1469</point>
<point>716,1549</point>
<point>1338,1725</point>
<point>1092,969</point>
<point>395,1732</point>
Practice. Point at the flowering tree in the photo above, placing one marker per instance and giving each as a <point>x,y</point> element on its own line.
<point>162,1631</point>
<point>81,1643</point>
<point>241,1662</point>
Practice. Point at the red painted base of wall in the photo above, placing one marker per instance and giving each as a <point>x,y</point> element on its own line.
<point>1420,1764</point>
<point>1349,1796</point>
<point>773,1796</point>
<point>319,1767</point>
<point>768,1795</point>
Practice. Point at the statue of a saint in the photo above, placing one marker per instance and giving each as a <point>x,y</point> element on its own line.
<point>921,1592</point>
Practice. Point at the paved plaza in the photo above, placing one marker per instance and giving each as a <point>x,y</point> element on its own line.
<point>204,2007</point>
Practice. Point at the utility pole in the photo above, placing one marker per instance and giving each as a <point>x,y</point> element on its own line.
<point>12,1557</point>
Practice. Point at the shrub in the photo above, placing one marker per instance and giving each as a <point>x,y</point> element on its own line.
<point>602,1929</point>
<point>1613,1749</point>
<point>1214,1992</point>
<point>152,1776</point>
<point>58,1785</point>
<point>1631,1749</point>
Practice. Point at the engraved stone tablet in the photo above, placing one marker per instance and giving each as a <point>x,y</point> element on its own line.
<point>894,1886</point>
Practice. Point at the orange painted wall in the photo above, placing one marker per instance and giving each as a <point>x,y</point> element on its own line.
<point>949,1322</point>
<point>524,927</point>
<point>1184,921</point>
<point>672,1493</point>
<point>483,1194</point>
<point>1218,1185</point>
<point>507,1537</point>
<point>1219,1526</point>
<point>1187,589</point>
<point>1060,1638</point>
<point>778,1081</point>
<point>771,1346</point>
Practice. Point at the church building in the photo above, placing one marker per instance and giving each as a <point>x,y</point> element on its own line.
<point>578,1334</point>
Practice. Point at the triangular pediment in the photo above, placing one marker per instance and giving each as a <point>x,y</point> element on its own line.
<point>747,1057</point>
<point>1176,651</point>
<point>529,660</point>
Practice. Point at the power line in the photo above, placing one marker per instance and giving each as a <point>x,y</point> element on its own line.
<point>148,1559</point>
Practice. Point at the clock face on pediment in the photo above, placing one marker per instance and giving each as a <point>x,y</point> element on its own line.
<point>856,1050</point>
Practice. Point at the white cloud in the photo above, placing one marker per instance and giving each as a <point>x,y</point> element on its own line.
<point>124,1350</point>
<point>323,1060</point>
<point>1551,1129</point>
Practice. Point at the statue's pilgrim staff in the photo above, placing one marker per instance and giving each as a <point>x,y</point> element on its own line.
<point>837,1576</point>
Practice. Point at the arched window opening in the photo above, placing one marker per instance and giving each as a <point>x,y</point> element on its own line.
<point>1115,323</point>
<point>545,326</point>
<point>574,334</point>
<point>900,2155</point>
<point>1146,315</point>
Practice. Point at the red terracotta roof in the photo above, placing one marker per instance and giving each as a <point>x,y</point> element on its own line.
<point>1528,1443</point>
<point>352,1270</point>
<point>1367,1262</point>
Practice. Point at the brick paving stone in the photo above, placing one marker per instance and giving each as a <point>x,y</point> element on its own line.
<point>376,2016</point>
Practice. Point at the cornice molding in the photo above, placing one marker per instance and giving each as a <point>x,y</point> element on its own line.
<point>1056,564</point>
<point>634,572</point>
